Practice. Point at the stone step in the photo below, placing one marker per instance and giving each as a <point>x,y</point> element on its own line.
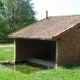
<point>41,62</point>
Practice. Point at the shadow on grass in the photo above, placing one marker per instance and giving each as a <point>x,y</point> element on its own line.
<point>72,66</point>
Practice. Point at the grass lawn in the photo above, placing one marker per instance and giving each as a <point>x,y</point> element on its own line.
<point>6,52</point>
<point>61,73</point>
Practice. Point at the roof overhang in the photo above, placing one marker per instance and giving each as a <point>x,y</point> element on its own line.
<point>56,37</point>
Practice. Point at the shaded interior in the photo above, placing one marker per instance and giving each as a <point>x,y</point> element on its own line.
<point>31,48</point>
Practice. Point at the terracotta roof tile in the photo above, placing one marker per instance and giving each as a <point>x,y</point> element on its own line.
<point>47,28</point>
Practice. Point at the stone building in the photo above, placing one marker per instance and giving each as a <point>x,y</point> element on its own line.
<point>55,39</point>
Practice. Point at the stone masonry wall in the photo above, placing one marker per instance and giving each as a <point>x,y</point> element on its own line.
<point>69,49</point>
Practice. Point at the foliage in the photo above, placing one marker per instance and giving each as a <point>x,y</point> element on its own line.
<point>4,30</point>
<point>1,4</point>
<point>16,14</point>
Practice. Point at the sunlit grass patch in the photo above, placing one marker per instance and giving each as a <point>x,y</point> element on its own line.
<point>6,52</point>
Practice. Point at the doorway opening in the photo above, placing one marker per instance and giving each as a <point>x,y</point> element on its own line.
<point>42,51</point>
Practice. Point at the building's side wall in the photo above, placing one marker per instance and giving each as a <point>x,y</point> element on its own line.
<point>25,48</point>
<point>69,48</point>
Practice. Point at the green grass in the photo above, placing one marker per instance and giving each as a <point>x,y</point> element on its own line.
<point>57,74</point>
<point>61,73</point>
<point>6,52</point>
<point>8,74</point>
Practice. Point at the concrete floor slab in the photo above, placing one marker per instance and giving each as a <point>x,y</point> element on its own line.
<point>41,62</point>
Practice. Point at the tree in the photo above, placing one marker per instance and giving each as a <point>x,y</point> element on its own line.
<point>3,28</point>
<point>2,22</point>
<point>17,14</point>
<point>1,4</point>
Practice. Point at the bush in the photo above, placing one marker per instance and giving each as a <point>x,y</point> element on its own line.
<point>6,40</point>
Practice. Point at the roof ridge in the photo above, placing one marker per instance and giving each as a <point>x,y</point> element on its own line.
<point>65,15</point>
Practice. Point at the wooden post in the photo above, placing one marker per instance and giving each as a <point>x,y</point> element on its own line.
<point>56,65</point>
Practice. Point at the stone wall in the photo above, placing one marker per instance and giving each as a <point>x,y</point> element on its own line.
<point>69,48</point>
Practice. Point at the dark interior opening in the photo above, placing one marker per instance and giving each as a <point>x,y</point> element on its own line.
<point>36,51</point>
<point>42,49</point>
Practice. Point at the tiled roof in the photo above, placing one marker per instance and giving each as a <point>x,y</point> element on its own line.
<point>48,28</point>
